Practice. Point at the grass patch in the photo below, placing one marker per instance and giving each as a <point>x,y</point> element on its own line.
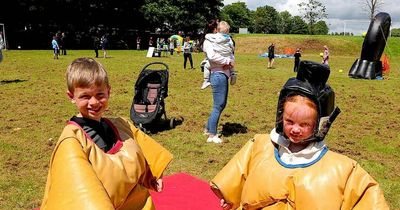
<point>34,110</point>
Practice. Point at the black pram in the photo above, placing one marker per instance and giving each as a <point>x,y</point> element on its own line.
<point>151,89</point>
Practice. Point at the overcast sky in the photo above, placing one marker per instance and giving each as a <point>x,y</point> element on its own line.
<point>343,15</point>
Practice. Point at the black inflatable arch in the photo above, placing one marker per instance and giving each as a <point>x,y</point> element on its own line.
<point>369,65</point>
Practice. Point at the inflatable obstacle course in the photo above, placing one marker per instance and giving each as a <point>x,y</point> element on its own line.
<point>369,65</point>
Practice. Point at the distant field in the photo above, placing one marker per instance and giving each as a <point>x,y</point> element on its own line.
<point>34,109</point>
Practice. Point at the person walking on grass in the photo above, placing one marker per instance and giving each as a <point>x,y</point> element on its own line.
<point>55,47</point>
<point>271,56</point>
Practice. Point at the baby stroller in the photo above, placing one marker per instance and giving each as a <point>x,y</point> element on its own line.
<point>151,89</point>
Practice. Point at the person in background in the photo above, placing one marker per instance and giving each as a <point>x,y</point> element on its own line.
<point>271,55</point>
<point>325,57</point>
<point>1,46</point>
<point>220,72</point>
<point>151,41</point>
<point>63,44</point>
<point>297,56</point>
<point>158,44</point>
<point>211,28</point>
<point>291,167</point>
<point>223,45</point>
<point>96,45</point>
<point>178,48</point>
<point>171,46</point>
<point>104,45</point>
<point>138,40</point>
<point>98,162</point>
<point>55,47</point>
<point>187,53</point>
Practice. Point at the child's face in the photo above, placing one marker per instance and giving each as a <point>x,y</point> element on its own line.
<point>223,29</point>
<point>299,121</point>
<point>92,101</point>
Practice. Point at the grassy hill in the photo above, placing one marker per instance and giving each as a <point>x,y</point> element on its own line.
<point>338,45</point>
<point>34,109</point>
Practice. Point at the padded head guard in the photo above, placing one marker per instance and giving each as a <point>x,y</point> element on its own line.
<point>311,82</point>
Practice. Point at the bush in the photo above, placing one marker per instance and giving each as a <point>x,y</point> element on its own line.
<point>395,32</point>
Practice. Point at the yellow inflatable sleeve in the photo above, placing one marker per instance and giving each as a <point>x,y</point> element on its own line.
<point>228,183</point>
<point>72,183</point>
<point>82,176</point>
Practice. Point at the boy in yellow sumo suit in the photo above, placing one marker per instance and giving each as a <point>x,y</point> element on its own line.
<point>101,163</point>
<point>292,168</point>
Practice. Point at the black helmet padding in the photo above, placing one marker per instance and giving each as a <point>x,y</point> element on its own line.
<point>315,73</point>
<point>310,82</point>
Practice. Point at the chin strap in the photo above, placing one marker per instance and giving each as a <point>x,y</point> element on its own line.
<point>325,123</point>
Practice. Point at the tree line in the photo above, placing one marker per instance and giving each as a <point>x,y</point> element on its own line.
<point>31,24</point>
<point>267,19</point>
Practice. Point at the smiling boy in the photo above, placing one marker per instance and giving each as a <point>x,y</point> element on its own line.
<point>101,163</point>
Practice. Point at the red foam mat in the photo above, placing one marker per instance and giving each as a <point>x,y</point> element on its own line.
<point>185,192</point>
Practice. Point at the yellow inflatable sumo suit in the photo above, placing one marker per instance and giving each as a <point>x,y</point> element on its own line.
<point>82,176</point>
<point>255,178</point>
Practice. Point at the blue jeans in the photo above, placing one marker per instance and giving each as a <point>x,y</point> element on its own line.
<point>219,84</point>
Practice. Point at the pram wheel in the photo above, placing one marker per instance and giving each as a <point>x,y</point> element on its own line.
<point>140,126</point>
<point>172,123</point>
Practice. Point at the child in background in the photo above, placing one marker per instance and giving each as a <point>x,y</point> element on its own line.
<point>292,168</point>
<point>55,46</point>
<point>325,56</point>
<point>101,163</point>
<point>223,45</point>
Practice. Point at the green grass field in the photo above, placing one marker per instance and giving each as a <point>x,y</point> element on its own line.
<point>34,108</point>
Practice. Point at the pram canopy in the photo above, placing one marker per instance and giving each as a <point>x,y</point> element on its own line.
<point>153,76</point>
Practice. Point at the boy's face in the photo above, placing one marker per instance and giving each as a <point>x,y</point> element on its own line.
<point>299,121</point>
<point>91,101</point>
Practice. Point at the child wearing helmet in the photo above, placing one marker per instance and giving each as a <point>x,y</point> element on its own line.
<point>292,168</point>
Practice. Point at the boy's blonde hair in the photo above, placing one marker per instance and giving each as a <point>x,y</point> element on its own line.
<point>85,72</point>
<point>223,27</point>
